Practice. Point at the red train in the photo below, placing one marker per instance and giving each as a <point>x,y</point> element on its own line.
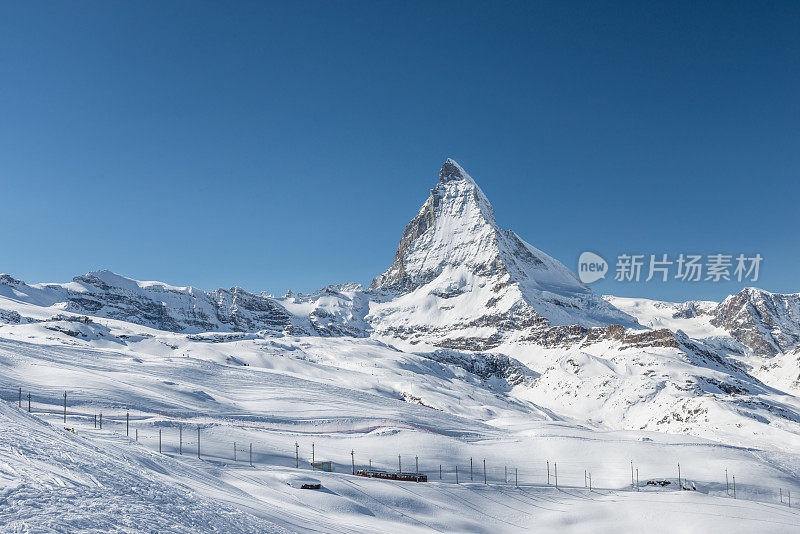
<point>391,475</point>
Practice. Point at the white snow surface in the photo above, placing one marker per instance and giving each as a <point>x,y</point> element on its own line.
<point>339,394</point>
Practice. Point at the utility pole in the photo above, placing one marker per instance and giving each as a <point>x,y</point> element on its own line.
<point>95,420</point>
<point>727,487</point>
<point>584,478</point>
<point>440,471</point>
<point>29,402</point>
<point>234,451</point>
<point>456,474</point>
<point>159,441</point>
<point>555,467</point>
<point>505,474</point>
<point>416,463</point>
<point>296,455</point>
<point>180,439</point>
<point>353,460</point>
<point>470,468</point>
<point>137,434</point>
<point>548,472</point>
<point>590,482</point>
<point>198,442</point>
<point>399,464</point>
<point>631,474</point>
<point>251,455</point>
<point>101,420</point>
<point>127,424</point>
<point>516,477</point>
<point>65,406</point>
<point>313,458</point>
<point>637,479</point>
<point>680,484</point>
<point>20,398</point>
<point>484,470</point>
<point>734,486</point>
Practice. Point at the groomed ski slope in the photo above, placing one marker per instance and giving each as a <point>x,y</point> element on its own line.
<point>54,481</point>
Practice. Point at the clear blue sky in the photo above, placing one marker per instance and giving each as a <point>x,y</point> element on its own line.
<point>286,145</point>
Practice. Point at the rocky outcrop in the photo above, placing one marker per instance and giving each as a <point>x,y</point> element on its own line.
<point>768,323</point>
<point>486,365</point>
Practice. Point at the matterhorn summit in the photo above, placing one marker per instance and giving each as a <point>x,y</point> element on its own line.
<point>456,270</point>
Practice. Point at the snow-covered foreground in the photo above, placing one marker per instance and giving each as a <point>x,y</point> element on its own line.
<point>339,395</point>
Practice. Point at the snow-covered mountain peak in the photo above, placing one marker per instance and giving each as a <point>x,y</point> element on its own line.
<point>766,322</point>
<point>454,248</point>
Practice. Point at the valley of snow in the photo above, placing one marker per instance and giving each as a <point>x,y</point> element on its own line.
<point>473,346</point>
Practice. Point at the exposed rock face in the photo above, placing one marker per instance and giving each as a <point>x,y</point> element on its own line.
<point>486,366</point>
<point>768,323</point>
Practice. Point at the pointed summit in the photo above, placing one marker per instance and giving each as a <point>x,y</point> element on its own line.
<point>451,171</point>
<point>454,250</point>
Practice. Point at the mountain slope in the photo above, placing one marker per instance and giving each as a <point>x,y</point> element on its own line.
<point>54,481</point>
